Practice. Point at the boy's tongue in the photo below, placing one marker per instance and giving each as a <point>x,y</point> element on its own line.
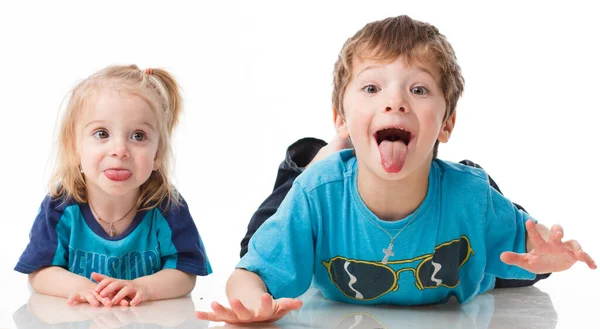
<point>393,155</point>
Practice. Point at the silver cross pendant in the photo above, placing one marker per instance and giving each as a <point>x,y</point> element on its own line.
<point>388,252</point>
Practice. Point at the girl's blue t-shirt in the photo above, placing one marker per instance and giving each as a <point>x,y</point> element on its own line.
<point>66,234</point>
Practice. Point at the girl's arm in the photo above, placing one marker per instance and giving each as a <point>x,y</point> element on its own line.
<point>57,281</point>
<point>166,284</point>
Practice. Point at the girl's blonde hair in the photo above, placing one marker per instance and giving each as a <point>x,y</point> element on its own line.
<point>160,90</point>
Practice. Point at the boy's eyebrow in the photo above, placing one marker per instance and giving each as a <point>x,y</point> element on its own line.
<point>370,67</point>
<point>376,66</point>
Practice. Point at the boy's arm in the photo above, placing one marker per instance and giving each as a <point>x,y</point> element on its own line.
<point>250,302</point>
<point>280,263</point>
<point>247,287</point>
<point>501,282</point>
<point>297,158</point>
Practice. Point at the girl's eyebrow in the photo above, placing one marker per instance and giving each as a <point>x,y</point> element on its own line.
<point>149,125</point>
<point>93,122</point>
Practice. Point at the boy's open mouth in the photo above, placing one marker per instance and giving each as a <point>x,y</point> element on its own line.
<point>393,146</point>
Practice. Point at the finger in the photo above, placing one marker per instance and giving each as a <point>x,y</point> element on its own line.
<point>209,316</point>
<point>73,299</point>
<point>99,277</point>
<point>112,288</point>
<point>104,300</point>
<point>512,258</point>
<point>266,309</point>
<point>138,298</point>
<point>225,313</point>
<point>283,306</point>
<point>103,283</point>
<point>290,304</point>
<point>124,292</point>
<point>534,235</point>
<point>556,234</point>
<point>241,311</point>
<point>583,256</point>
<point>91,299</point>
<point>124,302</point>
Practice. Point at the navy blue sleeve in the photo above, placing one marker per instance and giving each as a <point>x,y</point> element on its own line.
<point>45,247</point>
<point>181,245</point>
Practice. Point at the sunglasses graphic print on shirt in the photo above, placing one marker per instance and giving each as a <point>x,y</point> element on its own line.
<point>368,280</point>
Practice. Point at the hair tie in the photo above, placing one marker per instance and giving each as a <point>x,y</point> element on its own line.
<point>148,71</point>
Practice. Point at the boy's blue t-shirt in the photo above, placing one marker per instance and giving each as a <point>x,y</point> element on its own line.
<point>325,234</point>
<point>67,235</point>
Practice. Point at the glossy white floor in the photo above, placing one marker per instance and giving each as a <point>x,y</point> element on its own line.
<point>565,300</point>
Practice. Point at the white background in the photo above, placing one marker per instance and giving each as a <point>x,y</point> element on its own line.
<point>257,76</point>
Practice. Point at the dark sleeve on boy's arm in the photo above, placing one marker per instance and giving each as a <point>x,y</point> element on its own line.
<point>508,283</point>
<point>297,156</point>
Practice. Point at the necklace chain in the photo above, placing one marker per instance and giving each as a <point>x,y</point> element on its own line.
<point>111,231</point>
<point>388,251</point>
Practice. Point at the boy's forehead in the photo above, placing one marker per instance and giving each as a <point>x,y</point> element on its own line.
<point>422,63</point>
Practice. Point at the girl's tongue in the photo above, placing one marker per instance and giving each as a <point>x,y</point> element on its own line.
<point>393,155</point>
<point>117,174</point>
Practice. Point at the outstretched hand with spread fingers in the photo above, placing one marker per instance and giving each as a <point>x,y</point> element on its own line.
<point>270,311</point>
<point>548,255</point>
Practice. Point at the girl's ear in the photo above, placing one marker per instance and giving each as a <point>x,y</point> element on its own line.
<point>156,163</point>
<point>447,127</point>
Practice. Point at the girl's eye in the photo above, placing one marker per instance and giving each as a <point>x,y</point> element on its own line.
<point>420,90</point>
<point>138,136</point>
<point>371,89</point>
<point>101,134</point>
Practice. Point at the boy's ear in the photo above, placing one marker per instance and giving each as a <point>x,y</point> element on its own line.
<point>447,128</point>
<point>340,126</point>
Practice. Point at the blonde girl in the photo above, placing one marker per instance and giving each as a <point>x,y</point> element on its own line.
<point>113,230</point>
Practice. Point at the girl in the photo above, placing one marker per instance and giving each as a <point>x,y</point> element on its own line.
<point>112,215</point>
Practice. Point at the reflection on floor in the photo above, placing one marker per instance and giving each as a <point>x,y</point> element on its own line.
<point>503,308</point>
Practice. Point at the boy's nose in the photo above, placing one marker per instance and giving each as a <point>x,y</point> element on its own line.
<point>401,109</point>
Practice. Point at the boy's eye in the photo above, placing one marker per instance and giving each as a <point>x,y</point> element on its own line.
<point>420,90</point>
<point>101,134</point>
<point>138,136</point>
<point>371,89</point>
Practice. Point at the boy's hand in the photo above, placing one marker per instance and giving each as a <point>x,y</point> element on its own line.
<point>270,311</point>
<point>548,255</point>
<point>119,292</point>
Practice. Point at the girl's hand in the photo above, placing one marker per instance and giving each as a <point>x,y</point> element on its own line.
<point>87,295</point>
<point>119,292</point>
<point>270,311</point>
<point>548,255</point>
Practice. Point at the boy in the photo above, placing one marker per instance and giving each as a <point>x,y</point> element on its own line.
<point>388,223</point>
